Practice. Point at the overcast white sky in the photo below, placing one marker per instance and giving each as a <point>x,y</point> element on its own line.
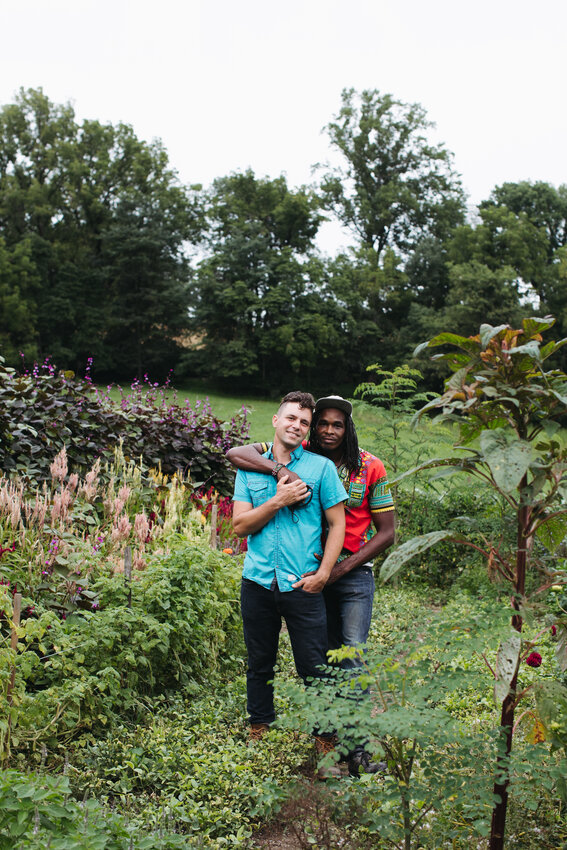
<point>228,85</point>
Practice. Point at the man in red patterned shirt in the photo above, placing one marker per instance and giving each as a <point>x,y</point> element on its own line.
<point>370,528</point>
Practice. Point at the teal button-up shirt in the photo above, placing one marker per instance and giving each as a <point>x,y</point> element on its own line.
<point>286,546</point>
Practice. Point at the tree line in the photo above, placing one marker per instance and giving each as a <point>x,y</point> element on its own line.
<point>105,254</point>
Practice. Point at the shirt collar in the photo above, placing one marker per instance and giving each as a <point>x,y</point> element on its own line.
<point>295,454</point>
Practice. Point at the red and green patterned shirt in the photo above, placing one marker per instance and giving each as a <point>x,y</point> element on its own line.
<point>368,493</point>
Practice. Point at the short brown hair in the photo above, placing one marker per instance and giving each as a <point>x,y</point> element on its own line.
<point>305,400</point>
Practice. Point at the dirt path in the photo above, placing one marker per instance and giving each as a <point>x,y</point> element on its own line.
<point>306,822</point>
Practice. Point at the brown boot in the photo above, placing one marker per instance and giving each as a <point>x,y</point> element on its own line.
<point>256,731</point>
<point>325,744</point>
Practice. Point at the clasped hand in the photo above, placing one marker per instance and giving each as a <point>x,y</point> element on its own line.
<point>291,491</point>
<point>311,582</point>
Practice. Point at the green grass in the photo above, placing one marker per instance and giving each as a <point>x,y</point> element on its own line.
<point>367,419</point>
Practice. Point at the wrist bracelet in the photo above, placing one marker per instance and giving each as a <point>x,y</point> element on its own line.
<point>276,469</point>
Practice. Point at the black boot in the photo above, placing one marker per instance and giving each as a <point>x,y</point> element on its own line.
<point>360,761</point>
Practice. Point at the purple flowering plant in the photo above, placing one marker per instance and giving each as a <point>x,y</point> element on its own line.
<point>68,531</point>
<point>43,409</point>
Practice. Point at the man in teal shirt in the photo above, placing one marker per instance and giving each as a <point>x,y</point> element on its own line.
<point>283,522</point>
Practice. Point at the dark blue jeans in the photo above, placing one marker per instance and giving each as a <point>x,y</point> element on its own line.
<point>262,613</point>
<point>349,610</point>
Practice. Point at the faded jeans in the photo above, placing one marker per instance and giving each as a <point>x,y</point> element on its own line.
<point>349,612</point>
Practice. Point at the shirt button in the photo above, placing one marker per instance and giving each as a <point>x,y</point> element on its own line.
<point>291,578</point>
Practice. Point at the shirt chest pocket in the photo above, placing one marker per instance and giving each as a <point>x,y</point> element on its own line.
<point>258,492</point>
<point>356,493</point>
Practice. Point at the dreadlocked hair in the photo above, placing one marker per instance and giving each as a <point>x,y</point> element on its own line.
<point>351,452</point>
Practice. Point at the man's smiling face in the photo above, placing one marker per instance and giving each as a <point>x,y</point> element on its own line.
<point>292,424</point>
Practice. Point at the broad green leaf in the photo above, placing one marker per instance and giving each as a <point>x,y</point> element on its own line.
<point>453,358</point>
<point>553,531</point>
<point>508,458</point>
<point>534,325</point>
<point>454,339</point>
<point>532,349</point>
<point>460,464</point>
<point>561,647</point>
<point>456,379</point>
<point>410,549</point>
<point>550,427</point>
<point>487,332</point>
<point>506,665</point>
<point>489,391</point>
<point>551,347</point>
<point>551,700</point>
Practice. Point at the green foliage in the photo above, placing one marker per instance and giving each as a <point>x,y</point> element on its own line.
<point>397,397</point>
<point>182,628</point>
<point>431,716</point>
<point>39,812</point>
<point>101,220</point>
<point>259,307</point>
<point>502,396</point>
<point>410,549</point>
<point>190,766</point>
<point>17,666</point>
<point>18,287</point>
<point>458,507</point>
<point>393,180</point>
<point>436,785</point>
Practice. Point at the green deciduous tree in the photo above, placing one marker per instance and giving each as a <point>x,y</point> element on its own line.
<point>19,284</point>
<point>261,310</point>
<point>394,190</point>
<point>542,204</point>
<point>523,228</point>
<point>71,193</point>
<point>394,185</point>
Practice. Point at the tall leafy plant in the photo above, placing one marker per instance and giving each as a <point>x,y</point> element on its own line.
<point>397,396</point>
<point>507,405</point>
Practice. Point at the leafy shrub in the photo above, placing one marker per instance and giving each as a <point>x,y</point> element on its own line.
<point>38,812</point>
<point>182,629</point>
<point>195,591</point>
<point>427,509</point>
<point>42,411</point>
<point>432,717</point>
<point>24,660</point>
